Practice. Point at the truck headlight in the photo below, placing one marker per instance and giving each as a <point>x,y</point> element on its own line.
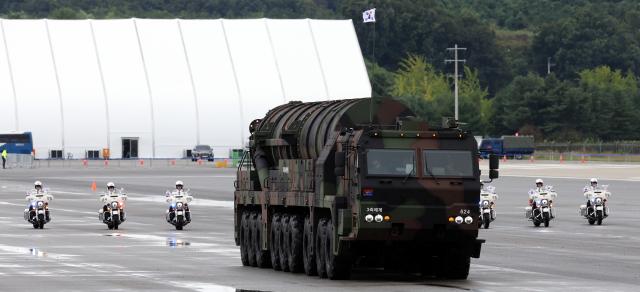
<point>368,218</point>
<point>459,219</point>
<point>379,218</point>
<point>468,220</point>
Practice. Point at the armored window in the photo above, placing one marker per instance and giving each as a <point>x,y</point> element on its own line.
<point>391,162</point>
<point>448,163</point>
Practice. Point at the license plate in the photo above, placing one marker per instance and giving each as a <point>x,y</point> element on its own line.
<point>599,208</point>
<point>545,209</point>
<point>180,212</point>
<point>486,210</point>
<point>115,212</point>
<point>40,211</point>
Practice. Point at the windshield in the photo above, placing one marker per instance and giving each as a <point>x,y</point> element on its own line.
<point>203,148</point>
<point>448,163</point>
<point>391,162</point>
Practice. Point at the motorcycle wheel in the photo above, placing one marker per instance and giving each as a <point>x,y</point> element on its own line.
<point>599,218</point>
<point>178,227</point>
<point>41,225</point>
<point>487,221</point>
<point>536,223</point>
<point>115,226</point>
<point>592,221</point>
<point>36,225</point>
<point>110,226</point>
<point>546,219</point>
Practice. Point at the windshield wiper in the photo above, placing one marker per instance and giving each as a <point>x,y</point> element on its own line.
<point>407,176</point>
<point>431,174</point>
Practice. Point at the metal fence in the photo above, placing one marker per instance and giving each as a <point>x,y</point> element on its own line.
<point>627,147</point>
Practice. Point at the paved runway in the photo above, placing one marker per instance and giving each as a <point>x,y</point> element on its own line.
<point>75,252</point>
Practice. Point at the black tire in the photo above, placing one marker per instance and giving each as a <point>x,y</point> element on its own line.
<point>41,225</point>
<point>308,256</point>
<point>545,218</point>
<point>36,225</point>
<point>251,242</point>
<point>296,231</point>
<point>110,226</point>
<point>115,225</point>
<point>274,242</point>
<point>283,243</point>
<point>262,257</point>
<point>455,265</point>
<point>320,248</point>
<point>487,222</point>
<point>536,223</point>
<point>243,233</point>
<point>338,267</point>
<point>251,255</point>
<point>592,221</point>
<point>178,226</point>
<point>599,217</point>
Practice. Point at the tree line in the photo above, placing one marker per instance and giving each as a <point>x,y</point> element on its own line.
<point>591,46</point>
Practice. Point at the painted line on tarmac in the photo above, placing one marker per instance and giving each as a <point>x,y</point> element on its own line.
<point>139,177</point>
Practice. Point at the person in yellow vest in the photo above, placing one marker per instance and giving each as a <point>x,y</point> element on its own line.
<point>4,158</point>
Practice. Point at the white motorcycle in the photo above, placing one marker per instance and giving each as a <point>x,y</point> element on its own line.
<point>488,197</point>
<point>112,212</point>
<point>596,208</point>
<point>178,213</point>
<point>541,209</point>
<point>37,213</point>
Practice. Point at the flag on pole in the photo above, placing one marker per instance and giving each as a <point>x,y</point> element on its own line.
<point>369,15</point>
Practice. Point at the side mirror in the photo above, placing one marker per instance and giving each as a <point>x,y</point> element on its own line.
<point>340,159</point>
<point>494,162</point>
<point>493,174</point>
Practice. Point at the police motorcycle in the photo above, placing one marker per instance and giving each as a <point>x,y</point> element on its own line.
<point>596,208</point>
<point>112,212</point>
<point>37,212</point>
<point>488,197</point>
<point>178,213</point>
<point>540,209</point>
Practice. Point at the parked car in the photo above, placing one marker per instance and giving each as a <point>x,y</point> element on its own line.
<point>203,152</point>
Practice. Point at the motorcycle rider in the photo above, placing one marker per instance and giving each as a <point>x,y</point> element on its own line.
<point>111,189</point>
<point>539,188</point>
<point>179,190</point>
<point>592,187</point>
<point>37,189</point>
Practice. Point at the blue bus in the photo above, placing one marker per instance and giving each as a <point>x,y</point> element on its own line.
<point>17,143</point>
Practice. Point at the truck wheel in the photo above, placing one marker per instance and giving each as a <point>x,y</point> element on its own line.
<point>338,267</point>
<point>248,240</point>
<point>244,257</point>
<point>274,242</point>
<point>284,242</point>
<point>308,256</point>
<point>296,230</point>
<point>320,248</point>
<point>262,257</point>
<point>455,265</point>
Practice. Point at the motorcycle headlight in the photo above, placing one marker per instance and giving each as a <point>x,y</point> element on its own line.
<point>179,205</point>
<point>114,205</point>
<point>485,203</point>
<point>40,204</point>
<point>598,201</point>
<point>544,202</point>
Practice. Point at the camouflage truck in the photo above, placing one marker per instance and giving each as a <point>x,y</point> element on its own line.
<point>328,186</point>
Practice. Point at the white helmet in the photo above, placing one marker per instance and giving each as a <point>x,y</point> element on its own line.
<point>179,183</point>
<point>37,183</point>
<point>594,180</point>
<point>111,185</point>
<point>539,181</point>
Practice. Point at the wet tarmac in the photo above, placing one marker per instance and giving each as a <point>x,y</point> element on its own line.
<point>76,252</point>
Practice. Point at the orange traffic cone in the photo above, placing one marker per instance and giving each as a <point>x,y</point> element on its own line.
<point>561,158</point>
<point>93,186</point>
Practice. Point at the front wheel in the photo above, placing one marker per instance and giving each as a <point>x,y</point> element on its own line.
<point>455,265</point>
<point>591,221</point>
<point>545,217</point>
<point>536,223</point>
<point>338,267</point>
<point>178,227</point>
<point>41,225</point>
<point>487,221</point>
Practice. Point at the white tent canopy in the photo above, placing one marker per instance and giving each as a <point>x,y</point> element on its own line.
<point>82,85</point>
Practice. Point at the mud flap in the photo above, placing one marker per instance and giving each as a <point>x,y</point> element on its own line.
<point>476,247</point>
